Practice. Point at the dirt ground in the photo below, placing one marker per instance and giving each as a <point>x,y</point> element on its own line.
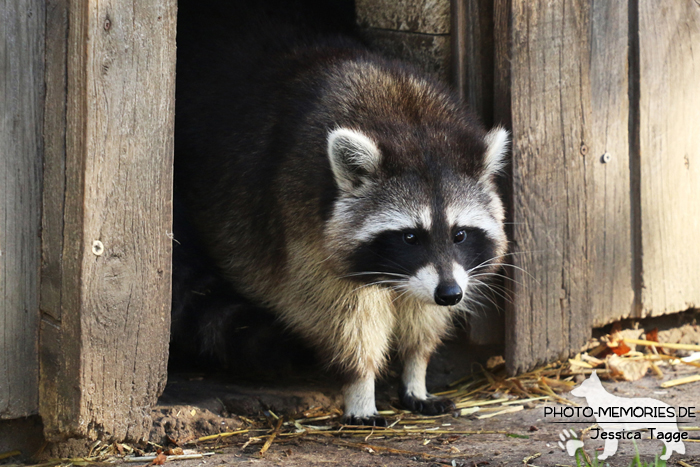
<point>530,432</point>
<point>199,405</point>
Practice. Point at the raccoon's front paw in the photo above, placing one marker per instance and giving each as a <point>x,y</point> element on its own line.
<point>372,420</point>
<point>429,406</point>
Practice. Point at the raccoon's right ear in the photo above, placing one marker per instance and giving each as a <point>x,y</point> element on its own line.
<point>353,156</point>
<point>497,142</point>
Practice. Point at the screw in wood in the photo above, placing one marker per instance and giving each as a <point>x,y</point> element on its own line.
<point>97,248</point>
<point>605,158</point>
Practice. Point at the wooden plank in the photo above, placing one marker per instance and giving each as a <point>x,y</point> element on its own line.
<point>472,67</point>
<point>473,55</point>
<point>549,58</point>
<point>669,151</point>
<point>59,349</point>
<point>429,52</point>
<point>609,239</point>
<point>562,204</point>
<point>458,46</point>
<point>109,342</point>
<point>417,31</point>
<point>21,95</point>
<point>422,16</point>
<point>54,157</point>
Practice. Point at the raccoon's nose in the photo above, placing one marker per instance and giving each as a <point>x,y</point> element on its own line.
<point>448,294</point>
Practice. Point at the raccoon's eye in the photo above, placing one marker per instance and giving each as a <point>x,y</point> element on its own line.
<point>410,238</point>
<point>460,236</point>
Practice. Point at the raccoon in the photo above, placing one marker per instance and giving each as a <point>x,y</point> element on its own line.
<point>350,194</point>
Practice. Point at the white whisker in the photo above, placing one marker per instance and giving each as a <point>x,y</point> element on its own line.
<point>375,283</point>
<point>495,274</point>
<point>486,296</point>
<point>375,273</point>
<point>492,290</point>
<point>401,295</point>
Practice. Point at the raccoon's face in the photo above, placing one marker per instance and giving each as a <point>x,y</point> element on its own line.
<point>425,228</point>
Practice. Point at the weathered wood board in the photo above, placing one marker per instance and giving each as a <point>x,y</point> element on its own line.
<point>669,151</point>
<point>472,50</point>
<point>429,52</point>
<point>472,68</point>
<point>21,113</point>
<point>415,31</point>
<point>608,206</point>
<point>567,86</point>
<point>105,330</point>
<point>54,158</point>
<point>422,16</point>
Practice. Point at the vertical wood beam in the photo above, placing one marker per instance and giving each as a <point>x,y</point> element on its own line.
<point>106,300</point>
<point>561,73</point>
<point>669,156</point>
<point>609,257</point>
<point>458,45</point>
<point>417,31</point>
<point>472,44</point>
<point>473,55</point>
<point>21,109</point>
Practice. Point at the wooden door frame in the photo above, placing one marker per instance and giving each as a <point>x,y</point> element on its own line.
<point>107,216</point>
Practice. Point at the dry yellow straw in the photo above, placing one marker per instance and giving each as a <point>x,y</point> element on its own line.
<point>220,435</point>
<point>5,455</point>
<point>679,381</point>
<point>511,409</point>
<point>272,437</point>
<point>661,344</point>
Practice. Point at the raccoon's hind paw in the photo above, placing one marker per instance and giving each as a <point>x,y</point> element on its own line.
<point>373,420</point>
<point>429,406</point>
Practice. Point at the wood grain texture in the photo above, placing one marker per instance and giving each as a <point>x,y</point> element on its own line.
<point>571,219</point>
<point>473,55</point>
<point>21,103</point>
<point>54,369</point>
<point>422,16</point>
<point>458,46</point>
<point>429,52</point>
<point>54,157</point>
<point>609,239</point>
<point>109,343</point>
<point>59,390</point>
<point>669,145</point>
<point>472,49</point>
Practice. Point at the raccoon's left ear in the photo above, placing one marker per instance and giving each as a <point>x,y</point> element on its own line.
<point>353,156</point>
<point>497,142</point>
